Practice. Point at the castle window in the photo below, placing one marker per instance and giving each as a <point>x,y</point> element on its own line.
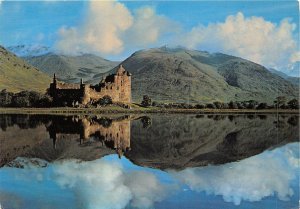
<point>111,87</point>
<point>117,87</point>
<point>106,87</point>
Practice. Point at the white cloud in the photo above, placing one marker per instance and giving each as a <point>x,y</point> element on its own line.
<point>252,38</point>
<point>148,27</point>
<point>270,173</point>
<point>100,32</point>
<point>295,57</point>
<point>109,26</point>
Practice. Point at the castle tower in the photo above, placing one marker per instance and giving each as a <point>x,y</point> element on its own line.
<point>121,70</point>
<point>54,79</point>
<point>123,82</point>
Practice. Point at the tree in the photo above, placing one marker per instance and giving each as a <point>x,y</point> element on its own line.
<point>44,101</point>
<point>199,106</point>
<point>211,106</point>
<point>5,98</point>
<point>218,105</point>
<point>293,104</point>
<point>232,105</point>
<point>262,106</point>
<point>146,101</point>
<point>281,100</point>
<point>251,104</point>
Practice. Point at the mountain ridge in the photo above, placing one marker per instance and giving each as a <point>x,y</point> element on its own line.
<point>182,75</point>
<point>71,69</point>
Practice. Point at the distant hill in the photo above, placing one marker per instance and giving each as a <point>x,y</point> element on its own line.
<point>17,75</point>
<point>72,68</point>
<point>293,80</point>
<point>181,75</point>
<point>29,50</point>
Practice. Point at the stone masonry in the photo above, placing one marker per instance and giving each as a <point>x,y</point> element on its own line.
<point>117,86</point>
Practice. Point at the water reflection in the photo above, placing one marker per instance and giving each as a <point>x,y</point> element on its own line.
<point>268,180</point>
<point>180,141</point>
<point>113,132</point>
<point>158,141</point>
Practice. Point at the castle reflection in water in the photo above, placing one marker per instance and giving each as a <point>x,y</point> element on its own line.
<point>112,133</point>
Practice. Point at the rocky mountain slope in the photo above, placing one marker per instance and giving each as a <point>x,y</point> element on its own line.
<point>71,68</point>
<point>294,80</point>
<point>181,75</point>
<point>17,75</point>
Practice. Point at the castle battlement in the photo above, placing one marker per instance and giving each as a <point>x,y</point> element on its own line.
<point>117,86</point>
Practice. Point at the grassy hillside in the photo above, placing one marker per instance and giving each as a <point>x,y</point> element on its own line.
<point>17,75</point>
<point>72,68</point>
<point>180,75</point>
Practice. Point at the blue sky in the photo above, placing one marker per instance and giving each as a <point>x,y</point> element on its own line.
<point>265,32</point>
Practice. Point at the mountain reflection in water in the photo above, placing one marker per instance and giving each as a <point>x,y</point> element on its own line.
<point>158,141</point>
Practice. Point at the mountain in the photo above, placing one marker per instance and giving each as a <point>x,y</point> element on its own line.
<point>17,75</point>
<point>181,75</point>
<point>72,68</point>
<point>293,80</point>
<point>29,50</point>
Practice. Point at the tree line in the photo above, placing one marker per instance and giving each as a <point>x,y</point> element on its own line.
<point>36,99</point>
<point>280,102</point>
<point>24,99</point>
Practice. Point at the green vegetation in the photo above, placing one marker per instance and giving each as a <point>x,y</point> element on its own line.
<point>17,75</point>
<point>146,101</point>
<point>246,105</point>
<point>106,100</point>
<point>24,99</point>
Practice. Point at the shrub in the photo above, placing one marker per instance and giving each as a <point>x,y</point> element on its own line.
<point>293,104</point>
<point>146,101</point>
<point>106,100</point>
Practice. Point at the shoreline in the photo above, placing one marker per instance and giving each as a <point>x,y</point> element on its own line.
<point>112,110</point>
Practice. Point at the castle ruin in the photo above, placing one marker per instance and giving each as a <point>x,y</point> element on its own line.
<point>117,86</point>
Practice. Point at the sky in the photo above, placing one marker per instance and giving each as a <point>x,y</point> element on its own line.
<point>265,32</point>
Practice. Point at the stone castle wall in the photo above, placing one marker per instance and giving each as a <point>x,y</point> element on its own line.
<point>117,86</point>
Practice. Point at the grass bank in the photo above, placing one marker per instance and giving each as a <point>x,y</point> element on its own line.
<point>137,110</point>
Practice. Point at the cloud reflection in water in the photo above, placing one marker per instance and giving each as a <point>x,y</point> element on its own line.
<point>270,173</point>
<point>113,183</point>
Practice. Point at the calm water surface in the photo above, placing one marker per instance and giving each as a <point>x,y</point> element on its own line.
<point>149,161</point>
